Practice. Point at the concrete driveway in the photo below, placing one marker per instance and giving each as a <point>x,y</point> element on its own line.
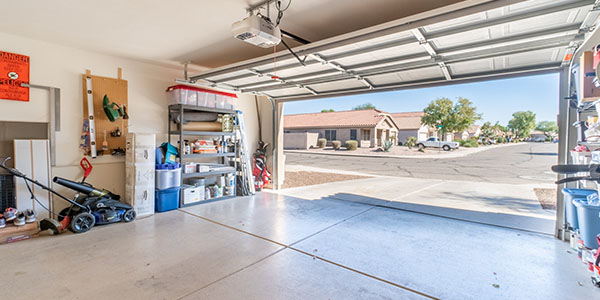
<point>492,187</point>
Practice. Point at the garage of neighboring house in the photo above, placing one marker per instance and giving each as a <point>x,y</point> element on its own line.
<point>409,124</point>
<point>162,108</point>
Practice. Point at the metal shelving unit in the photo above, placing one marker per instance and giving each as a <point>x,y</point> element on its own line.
<point>227,160</point>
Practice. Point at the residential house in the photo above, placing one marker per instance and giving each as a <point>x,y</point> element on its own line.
<point>538,135</point>
<point>369,127</point>
<point>472,131</point>
<point>409,124</point>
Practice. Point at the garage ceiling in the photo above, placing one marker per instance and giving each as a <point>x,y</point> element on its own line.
<point>188,30</point>
<point>523,38</point>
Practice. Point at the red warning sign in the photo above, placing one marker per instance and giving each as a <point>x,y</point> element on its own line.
<point>14,70</point>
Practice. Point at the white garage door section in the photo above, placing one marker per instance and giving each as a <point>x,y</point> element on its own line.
<point>525,37</point>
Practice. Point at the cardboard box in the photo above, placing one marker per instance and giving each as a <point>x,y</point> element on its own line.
<point>12,233</point>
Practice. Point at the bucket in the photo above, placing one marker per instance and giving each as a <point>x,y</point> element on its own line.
<point>589,222</point>
<point>570,209</point>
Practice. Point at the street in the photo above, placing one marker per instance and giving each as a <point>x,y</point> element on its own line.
<point>518,164</point>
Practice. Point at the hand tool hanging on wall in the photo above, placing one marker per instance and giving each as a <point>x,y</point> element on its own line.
<point>91,125</point>
<point>113,111</point>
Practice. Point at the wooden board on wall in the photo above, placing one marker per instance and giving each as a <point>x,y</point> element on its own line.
<point>116,90</point>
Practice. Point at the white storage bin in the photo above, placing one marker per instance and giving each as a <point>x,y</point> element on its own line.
<point>181,94</point>
<point>220,101</point>
<point>168,178</point>
<point>229,103</point>
<point>211,100</point>
<point>202,99</point>
<point>192,194</point>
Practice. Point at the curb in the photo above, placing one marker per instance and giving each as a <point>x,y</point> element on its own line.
<point>429,156</point>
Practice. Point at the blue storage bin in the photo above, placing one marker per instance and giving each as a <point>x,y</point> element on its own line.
<point>589,222</point>
<point>570,209</point>
<point>166,200</point>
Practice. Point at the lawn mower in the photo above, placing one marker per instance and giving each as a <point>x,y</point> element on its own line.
<point>91,206</point>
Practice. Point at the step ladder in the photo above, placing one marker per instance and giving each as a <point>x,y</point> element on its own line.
<point>246,178</point>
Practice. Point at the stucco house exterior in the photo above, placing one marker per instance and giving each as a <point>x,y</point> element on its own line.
<point>409,124</point>
<point>472,131</point>
<point>371,127</point>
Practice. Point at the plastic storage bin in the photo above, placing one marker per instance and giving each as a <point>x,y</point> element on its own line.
<point>167,178</point>
<point>166,200</point>
<point>571,211</point>
<point>181,94</point>
<point>589,222</point>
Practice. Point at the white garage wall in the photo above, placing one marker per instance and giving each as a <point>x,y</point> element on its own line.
<point>58,66</point>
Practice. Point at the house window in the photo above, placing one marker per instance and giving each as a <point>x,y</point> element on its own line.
<point>353,134</point>
<point>366,134</point>
<point>330,135</point>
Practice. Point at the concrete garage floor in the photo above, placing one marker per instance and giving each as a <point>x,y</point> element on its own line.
<point>508,205</point>
<point>278,247</point>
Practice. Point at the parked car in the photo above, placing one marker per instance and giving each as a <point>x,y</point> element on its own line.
<point>434,142</point>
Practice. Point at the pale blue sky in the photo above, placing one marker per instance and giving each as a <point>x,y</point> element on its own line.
<point>496,99</point>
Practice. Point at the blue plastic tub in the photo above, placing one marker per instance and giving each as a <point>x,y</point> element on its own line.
<point>589,222</point>
<point>571,211</point>
<point>166,200</point>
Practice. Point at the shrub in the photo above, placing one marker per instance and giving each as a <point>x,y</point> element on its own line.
<point>470,143</point>
<point>501,140</point>
<point>336,144</point>
<point>387,145</point>
<point>351,145</point>
<point>321,143</point>
<point>411,141</point>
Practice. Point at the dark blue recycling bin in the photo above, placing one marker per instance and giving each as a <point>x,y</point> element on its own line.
<point>589,222</point>
<point>571,211</point>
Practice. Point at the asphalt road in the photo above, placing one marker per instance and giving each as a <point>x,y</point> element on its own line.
<point>523,163</point>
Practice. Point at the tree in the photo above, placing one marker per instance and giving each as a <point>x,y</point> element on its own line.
<point>547,127</point>
<point>364,106</point>
<point>327,110</point>
<point>522,123</point>
<point>446,116</point>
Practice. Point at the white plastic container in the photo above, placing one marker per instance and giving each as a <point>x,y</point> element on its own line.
<point>181,94</point>
<point>192,194</point>
<point>229,103</point>
<point>168,178</point>
<point>220,101</point>
<point>211,100</point>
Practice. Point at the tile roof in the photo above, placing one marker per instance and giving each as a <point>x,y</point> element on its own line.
<point>336,119</point>
<point>408,120</point>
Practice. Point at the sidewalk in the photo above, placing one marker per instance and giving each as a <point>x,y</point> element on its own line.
<point>431,153</point>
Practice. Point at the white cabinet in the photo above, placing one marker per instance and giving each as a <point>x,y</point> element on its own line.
<point>139,172</point>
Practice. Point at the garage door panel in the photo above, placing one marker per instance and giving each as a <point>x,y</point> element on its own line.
<point>413,48</point>
<point>332,86</point>
<point>482,65</point>
<point>411,75</point>
<point>558,20</point>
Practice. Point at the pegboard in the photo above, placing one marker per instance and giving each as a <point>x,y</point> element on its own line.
<point>116,90</point>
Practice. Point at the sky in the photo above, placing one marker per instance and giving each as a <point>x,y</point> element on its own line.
<point>497,100</point>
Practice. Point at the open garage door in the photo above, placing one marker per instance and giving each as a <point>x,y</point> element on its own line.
<point>474,41</point>
<point>527,37</point>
